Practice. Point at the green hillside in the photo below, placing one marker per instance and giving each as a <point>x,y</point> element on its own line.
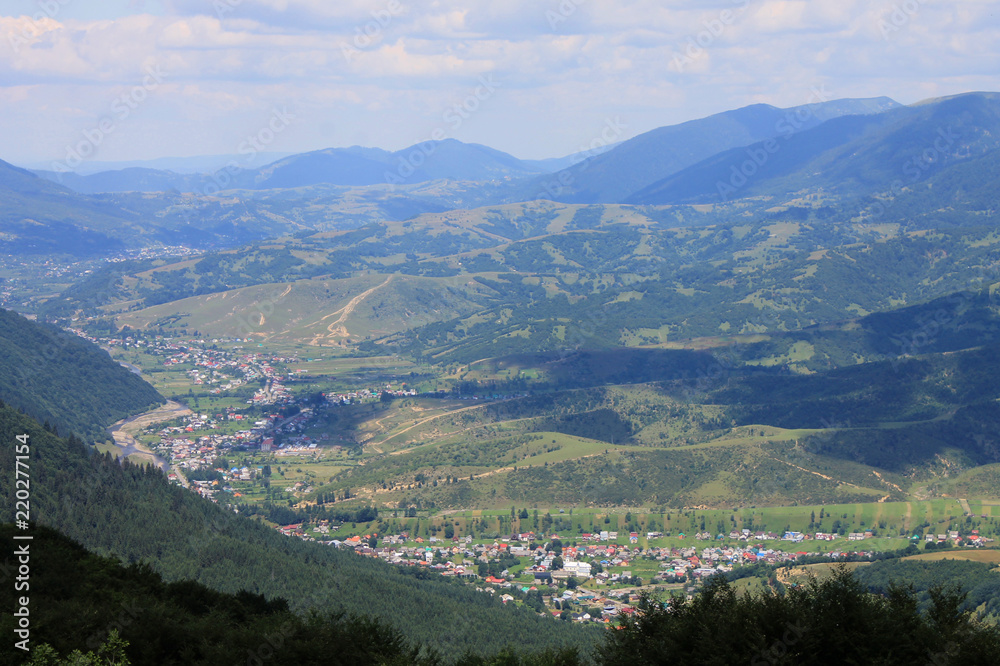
<point>62,379</point>
<point>542,277</point>
<point>685,428</point>
<point>78,599</point>
<point>660,153</point>
<point>132,513</point>
<point>321,312</point>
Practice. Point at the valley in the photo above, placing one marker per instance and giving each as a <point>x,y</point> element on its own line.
<point>525,409</point>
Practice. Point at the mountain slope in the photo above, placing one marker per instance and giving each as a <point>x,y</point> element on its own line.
<point>846,156</point>
<point>427,161</point>
<point>63,379</point>
<point>130,179</point>
<point>649,157</point>
<point>149,614</point>
<point>38,216</point>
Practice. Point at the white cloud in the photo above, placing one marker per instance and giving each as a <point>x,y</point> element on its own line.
<point>384,71</point>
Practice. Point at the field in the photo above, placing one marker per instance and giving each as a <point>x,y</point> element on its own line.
<point>819,572</point>
<point>680,527</point>
<point>316,312</point>
<point>984,556</point>
<point>574,434</point>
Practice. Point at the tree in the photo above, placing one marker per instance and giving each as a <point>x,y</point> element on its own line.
<point>111,653</point>
<point>834,621</point>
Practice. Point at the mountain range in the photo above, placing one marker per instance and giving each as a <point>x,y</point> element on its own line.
<point>606,173</point>
<point>763,308</point>
<point>852,154</point>
<point>863,151</point>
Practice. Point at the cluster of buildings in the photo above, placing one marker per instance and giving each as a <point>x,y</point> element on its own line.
<point>973,539</point>
<point>187,450</point>
<point>367,395</point>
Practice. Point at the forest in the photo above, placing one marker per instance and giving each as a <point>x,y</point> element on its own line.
<point>65,381</point>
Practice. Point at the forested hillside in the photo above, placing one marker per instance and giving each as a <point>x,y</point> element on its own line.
<point>132,513</point>
<point>66,381</point>
<point>78,599</point>
<point>835,621</point>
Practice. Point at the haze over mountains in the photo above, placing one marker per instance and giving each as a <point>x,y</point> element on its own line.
<point>843,156</point>
<point>629,167</point>
<point>845,148</point>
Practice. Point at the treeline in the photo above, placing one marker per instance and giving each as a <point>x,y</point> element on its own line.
<point>285,515</point>
<point>836,621</point>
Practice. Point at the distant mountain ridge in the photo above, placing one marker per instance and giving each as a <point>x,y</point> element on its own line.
<point>657,154</point>
<point>848,155</point>
<point>181,165</point>
<point>855,154</point>
<point>607,174</point>
<point>355,166</point>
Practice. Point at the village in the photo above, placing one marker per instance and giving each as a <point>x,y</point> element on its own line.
<point>591,577</point>
<point>586,577</point>
<point>271,419</point>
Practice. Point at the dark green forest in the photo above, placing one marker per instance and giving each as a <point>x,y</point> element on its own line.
<point>61,379</point>
<point>836,621</point>
<point>77,599</point>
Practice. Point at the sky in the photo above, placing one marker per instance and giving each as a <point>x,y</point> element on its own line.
<point>141,79</point>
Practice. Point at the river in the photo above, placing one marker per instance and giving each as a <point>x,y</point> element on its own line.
<point>122,432</point>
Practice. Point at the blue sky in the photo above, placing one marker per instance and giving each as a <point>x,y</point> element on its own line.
<point>143,79</point>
